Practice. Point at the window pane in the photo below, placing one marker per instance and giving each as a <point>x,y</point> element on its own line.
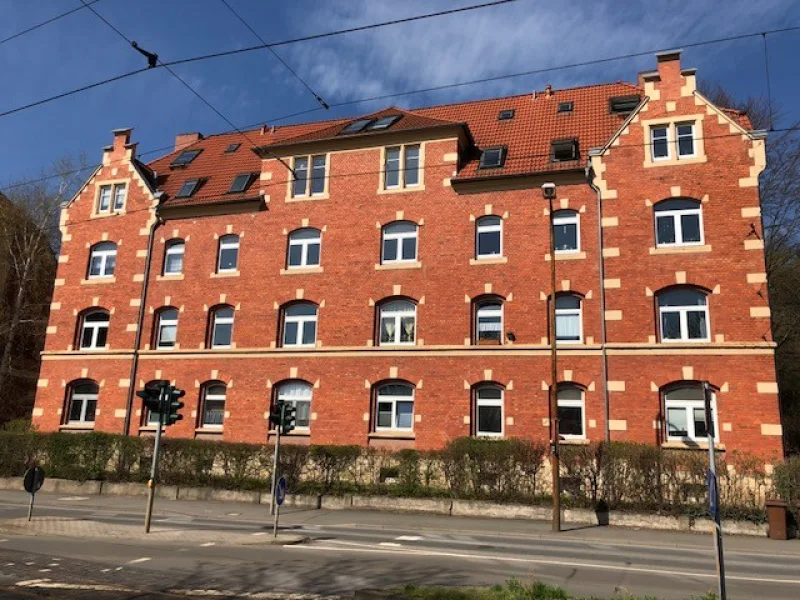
<point>318,175</point>
<point>91,408</point>
<point>696,323</point>
<point>568,328</point>
<point>303,414</point>
<point>665,230</point>
<point>685,140</point>
<point>409,249</point>
<point>102,334</point>
<point>490,419</point>
<point>489,328</point>
<point>570,420</point>
<point>309,332</point>
<point>405,414</point>
<point>412,165</point>
<point>174,263</point>
<point>567,301</point>
<point>389,249</point>
<point>301,176</point>
<point>94,267</point>
<point>384,414</point>
<point>387,329</point>
<point>111,263</point>
<point>700,429</point>
<point>228,258</point>
<point>489,243</point>
<point>312,259</point>
<point>295,255</point>
<point>490,393</point>
<point>670,326</point>
<point>681,297</point>
<point>659,140</point>
<point>566,237</point>
<point>105,197</point>
<point>407,329</point>
<point>168,335</point>
<point>222,334</point>
<point>676,422</point>
<point>75,408</point>
<point>392,167</point>
<point>290,333</point>
<point>119,196</point>
<point>690,227</point>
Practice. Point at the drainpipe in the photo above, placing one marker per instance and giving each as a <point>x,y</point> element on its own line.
<point>603,350</point>
<point>140,320</point>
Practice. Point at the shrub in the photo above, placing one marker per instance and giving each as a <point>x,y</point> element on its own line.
<point>332,464</point>
<point>787,483</point>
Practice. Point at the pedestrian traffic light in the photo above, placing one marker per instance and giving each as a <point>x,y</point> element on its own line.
<point>173,405</point>
<point>151,395</point>
<point>289,418</point>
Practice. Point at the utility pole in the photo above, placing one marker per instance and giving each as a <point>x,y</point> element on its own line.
<point>549,193</point>
<point>713,491</point>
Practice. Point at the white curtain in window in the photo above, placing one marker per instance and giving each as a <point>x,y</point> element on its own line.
<point>568,326</point>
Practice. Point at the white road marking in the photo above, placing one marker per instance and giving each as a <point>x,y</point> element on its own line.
<point>408,538</point>
<point>104,570</point>
<point>208,544</point>
<point>392,544</point>
<point>234,514</point>
<point>9,564</point>
<point>118,569</point>
<point>259,533</point>
<point>3,540</point>
<point>139,560</point>
<point>53,564</point>
<point>29,563</point>
<point>55,585</point>
<point>45,570</point>
<point>73,498</point>
<point>556,563</point>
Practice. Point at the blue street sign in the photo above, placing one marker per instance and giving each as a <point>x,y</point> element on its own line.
<point>713,494</point>
<point>280,490</point>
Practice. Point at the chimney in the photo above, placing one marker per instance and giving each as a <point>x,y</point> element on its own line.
<point>184,139</point>
<point>669,66</point>
<point>121,148</point>
<point>548,90</point>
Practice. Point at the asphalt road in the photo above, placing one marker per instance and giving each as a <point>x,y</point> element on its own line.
<point>351,551</point>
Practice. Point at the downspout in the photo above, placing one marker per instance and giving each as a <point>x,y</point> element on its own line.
<point>140,320</point>
<point>603,350</point>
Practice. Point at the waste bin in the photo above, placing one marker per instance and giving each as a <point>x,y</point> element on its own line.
<point>776,518</point>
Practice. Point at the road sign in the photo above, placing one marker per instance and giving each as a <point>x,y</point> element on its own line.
<point>713,495</point>
<point>34,479</point>
<point>280,490</point>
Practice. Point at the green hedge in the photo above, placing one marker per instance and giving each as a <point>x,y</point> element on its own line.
<point>597,475</point>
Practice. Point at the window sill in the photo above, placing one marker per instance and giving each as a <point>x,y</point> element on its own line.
<point>567,256</point>
<point>150,429</point>
<point>392,435</point>
<point>225,274</point>
<point>574,442</point>
<point>399,265</point>
<point>674,162</point>
<point>98,280</point>
<point>77,427</point>
<point>681,249</point>
<point>324,196</point>
<point>301,271</point>
<point>675,445</point>
<point>174,277</point>
<point>211,430</point>
<point>294,433</point>
<point>105,215</point>
<point>489,260</point>
<point>402,190</point>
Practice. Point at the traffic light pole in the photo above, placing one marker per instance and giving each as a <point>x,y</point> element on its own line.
<point>281,408</point>
<point>151,485</point>
<point>713,491</point>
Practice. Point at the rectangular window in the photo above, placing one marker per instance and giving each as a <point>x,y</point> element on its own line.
<point>659,138</point>
<point>489,409</point>
<point>228,254</point>
<point>104,200</point>
<point>411,166</point>
<point>566,232</point>
<point>392,168</point>
<point>300,177</point>
<point>188,188</point>
<point>317,175</point>
<point>564,150</point>
<point>493,158</point>
<point>240,183</point>
<point>489,234</point>
<point>401,167</point>
<point>571,413</point>
<point>313,183</point>
<point>686,414</point>
<point>173,260</point>
<point>685,135</point>
<point>119,196</point>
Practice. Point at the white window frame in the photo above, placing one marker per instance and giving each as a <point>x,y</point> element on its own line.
<point>679,136</point>
<point>667,127</point>
<point>163,324</point>
<point>104,255</point>
<point>397,316</point>
<point>84,399</point>
<point>95,327</point>
<point>684,323</point>
<point>399,237</point>
<point>481,226</point>
<point>214,398</point>
<point>174,247</point>
<point>301,321</point>
<point>491,309</point>
<point>394,400</point>
<point>120,190</point>
<point>566,312</point>
<point>226,242</point>
<point>572,403</point>
<point>675,215</point>
<point>568,217</point>
<point>688,406</point>
<point>293,392</point>
<point>217,320</point>
<point>489,402</point>
<point>309,175</point>
<point>304,243</point>
<point>101,208</point>
<point>673,139</point>
<point>402,166</point>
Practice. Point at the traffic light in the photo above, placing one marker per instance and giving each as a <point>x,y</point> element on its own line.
<point>151,395</point>
<point>289,418</point>
<point>173,405</point>
<point>275,414</point>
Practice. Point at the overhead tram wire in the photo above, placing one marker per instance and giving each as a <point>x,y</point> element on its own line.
<point>250,49</point>
<point>317,97</point>
<point>43,23</point>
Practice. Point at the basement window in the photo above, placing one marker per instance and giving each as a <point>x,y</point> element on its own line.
<point>240,183</point>
<point>493,158</point>
<point>564,150</point>
<point>622,105</point>
<point>565,107</point>
<point>232,148</point>
<point>188,188</point>
<point>184,158</point>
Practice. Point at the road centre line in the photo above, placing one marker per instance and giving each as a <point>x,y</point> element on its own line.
<point>484,557</point>
<point>55,585</point>
<point>139,560</point>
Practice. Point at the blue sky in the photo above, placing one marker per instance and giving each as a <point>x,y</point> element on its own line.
<point>253,87</point>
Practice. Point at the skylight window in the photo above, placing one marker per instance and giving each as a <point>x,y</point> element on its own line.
<point>492,158</point>
<point>232,148</point>
<point>355,126</point>
<point>506,114</point>
<point>565,107</point>
<point>623,104</point>
<point>383,123</point>
<point>184,158</point>
<point>188,188</point>
<point>564,150</point>
<point>240,183</point>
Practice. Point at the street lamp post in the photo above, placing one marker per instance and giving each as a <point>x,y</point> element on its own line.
<point>549,194</point>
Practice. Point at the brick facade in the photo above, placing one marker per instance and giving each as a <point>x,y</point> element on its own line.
<point>617,278</point>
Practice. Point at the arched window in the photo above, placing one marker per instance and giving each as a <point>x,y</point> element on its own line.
<point>571,412</point>
<point>298,394</point>
<point>489,321</point>
<point>399,242</point>
<point>94,329</point>
<point>102,260</point>
<point>684,315</point>
<point>567,231</point>
<point>398,322</point>
<point>684,406</point>
<point>300,324</point>
<point>82,402</point>
<point>679,222</point>
<point>304,248</point>
<point>394,407</point>
<point>212,414</point>
<point>489,410</point>
<point>166,331</point>
<point>173,257</point>
<point>488,237</point>
<point>569,321</point>
<point>228,259</point>
<point>221,327</point>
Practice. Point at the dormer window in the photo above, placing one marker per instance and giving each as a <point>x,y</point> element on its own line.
<point>240,183</point>
<point>355,126</point>
<point>506,114</point>
<point>622,105</point>
<point>184,158</point>
<point>565,107</point>
<point>188,188</point>
<point>232,148</point>
<point>564,150</point>
<point>382,123</point>
<point>493,158</point>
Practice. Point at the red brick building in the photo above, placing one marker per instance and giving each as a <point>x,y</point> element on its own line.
<point>390,275</point>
